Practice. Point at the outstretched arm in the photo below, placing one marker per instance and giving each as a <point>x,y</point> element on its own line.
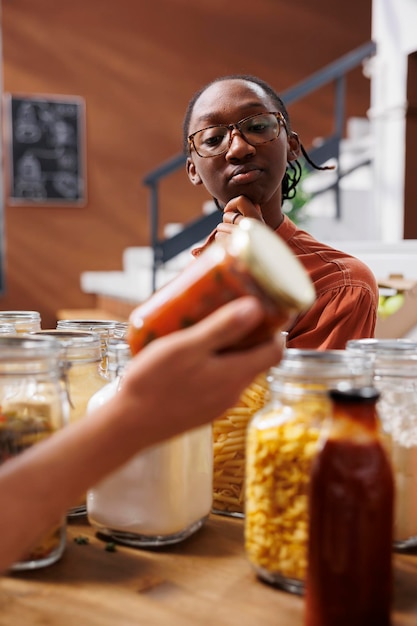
<point>176,383</point>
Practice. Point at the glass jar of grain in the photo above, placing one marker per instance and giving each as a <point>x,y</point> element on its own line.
<point>162,495</point>
<point>395,377</point>
<point>33,406</point>
<point>282,442</point>
<point>81,359</point>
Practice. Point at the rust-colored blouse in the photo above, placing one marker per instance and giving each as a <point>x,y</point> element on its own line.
<point>346,293</point>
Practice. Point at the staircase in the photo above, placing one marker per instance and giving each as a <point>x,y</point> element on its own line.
<point>354,178</point>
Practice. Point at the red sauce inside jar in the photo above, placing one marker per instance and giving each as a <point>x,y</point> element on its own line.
<point>197,292</point>
<point>350,571</point>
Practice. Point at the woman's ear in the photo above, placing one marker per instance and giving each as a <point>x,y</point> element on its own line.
<point>193,175</point>
<point>294,149</point>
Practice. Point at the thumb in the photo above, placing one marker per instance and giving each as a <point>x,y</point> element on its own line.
<point>198,250</point>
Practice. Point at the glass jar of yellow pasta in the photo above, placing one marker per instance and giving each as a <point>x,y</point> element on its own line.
<point>229,449</point>
<point>81,359</point>
<point>282,442</point>
<point>32,407</point>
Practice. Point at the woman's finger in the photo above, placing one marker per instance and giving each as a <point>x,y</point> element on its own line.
<point>241,206</point>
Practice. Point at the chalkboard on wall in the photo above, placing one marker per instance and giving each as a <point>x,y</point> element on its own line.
<point>46,137</point>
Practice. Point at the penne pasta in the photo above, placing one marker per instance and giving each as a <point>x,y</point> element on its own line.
<point>229,448</point>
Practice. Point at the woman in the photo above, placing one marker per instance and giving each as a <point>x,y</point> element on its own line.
<point>240,146</point>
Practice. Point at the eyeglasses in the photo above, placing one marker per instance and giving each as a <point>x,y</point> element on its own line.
<point>255,130</point>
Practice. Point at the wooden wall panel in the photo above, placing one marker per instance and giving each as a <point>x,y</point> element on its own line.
<point>137,64</point>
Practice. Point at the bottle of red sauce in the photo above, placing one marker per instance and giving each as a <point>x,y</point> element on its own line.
<point>253,260</point>
<point>349,575</point>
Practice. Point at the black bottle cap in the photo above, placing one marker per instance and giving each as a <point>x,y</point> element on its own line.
<point>355,394</point>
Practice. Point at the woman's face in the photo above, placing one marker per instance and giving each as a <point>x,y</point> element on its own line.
<point>244,170</point>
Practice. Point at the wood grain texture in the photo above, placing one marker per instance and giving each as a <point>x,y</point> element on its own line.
<point>204,580</point>
<point>136,64</point>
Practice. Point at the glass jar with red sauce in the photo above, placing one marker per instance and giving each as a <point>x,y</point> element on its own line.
<point>349,576</point>
<point>253,260</point>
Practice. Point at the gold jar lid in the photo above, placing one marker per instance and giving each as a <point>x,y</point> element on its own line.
<point>273,264</point>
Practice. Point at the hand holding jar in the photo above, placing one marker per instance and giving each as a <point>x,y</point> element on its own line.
<point>252,261</point>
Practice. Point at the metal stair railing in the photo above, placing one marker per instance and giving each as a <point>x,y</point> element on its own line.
<point>166,249</point>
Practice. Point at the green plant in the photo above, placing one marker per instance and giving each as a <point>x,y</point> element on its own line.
<point>295,207</point>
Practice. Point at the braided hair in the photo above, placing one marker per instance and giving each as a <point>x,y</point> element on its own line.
<point>294,170</point>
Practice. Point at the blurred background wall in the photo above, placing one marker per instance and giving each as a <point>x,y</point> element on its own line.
<point>136,64</point>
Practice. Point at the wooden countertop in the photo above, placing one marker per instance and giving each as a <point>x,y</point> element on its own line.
<point>204,580</point>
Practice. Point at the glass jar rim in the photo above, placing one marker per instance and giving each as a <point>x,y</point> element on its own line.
<point>76,345</point>
<point>104,328</point>
<point>30,351</point>
<point>300,365</point>
<point>33,315</point>
<point>89,324</point>
<point>390,357</point>
<point>396,347</point>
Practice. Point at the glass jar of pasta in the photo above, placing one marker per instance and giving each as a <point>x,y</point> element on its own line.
<point>105,329</point>
<point>81,359</point>
<point>395,376</point>
<point>229,447</point>
<point>32,407</point>
<point>23,321</point>
<point>163,494</point>
<point>282,442</point>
